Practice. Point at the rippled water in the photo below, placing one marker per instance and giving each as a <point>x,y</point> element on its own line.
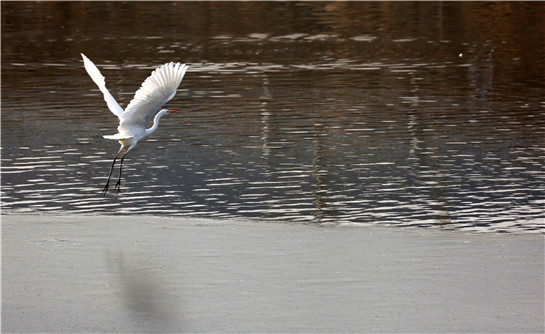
<point>405,114</point>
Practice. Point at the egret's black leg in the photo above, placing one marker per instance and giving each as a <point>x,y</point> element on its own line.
<point>110,173</point>
<point>118,183</point>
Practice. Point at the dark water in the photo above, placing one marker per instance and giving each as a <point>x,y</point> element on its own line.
<point>405,114</point>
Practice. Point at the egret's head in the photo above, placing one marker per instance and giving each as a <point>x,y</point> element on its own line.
<point>166,111</point>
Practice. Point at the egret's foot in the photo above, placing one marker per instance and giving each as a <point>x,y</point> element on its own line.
<point>118,187</point>
<point>105,189</point>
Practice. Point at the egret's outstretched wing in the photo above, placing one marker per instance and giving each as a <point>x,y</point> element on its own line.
<point>94,73</point>
<point>159,88</point>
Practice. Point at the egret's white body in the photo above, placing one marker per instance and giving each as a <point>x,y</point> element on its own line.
<point>159,88</point>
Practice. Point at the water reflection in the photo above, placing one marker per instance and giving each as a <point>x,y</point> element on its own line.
<point>338,113</point>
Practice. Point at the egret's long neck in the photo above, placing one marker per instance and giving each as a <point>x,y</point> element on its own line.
<point>155,124</point>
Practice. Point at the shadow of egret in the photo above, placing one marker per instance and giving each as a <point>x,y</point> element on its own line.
<point>152,307</point>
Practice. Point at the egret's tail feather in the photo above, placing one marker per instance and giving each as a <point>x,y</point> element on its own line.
<point>117,136</point>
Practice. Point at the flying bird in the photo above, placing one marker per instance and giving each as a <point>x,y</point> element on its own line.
<point>159,88</point>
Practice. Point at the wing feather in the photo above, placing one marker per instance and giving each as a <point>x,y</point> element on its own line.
<point>159,88</point>
<point>98,79</point>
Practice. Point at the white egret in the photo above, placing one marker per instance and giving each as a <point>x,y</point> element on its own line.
<point>159,88</point>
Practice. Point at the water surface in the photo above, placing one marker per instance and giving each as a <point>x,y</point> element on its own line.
<point>402,114</point>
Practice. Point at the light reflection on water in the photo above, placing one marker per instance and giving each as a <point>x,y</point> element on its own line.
<point>304,126</point>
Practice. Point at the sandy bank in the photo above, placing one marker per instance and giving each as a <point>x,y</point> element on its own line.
<point>151,274</point>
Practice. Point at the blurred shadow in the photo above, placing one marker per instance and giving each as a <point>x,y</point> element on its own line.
<point>152,307</point>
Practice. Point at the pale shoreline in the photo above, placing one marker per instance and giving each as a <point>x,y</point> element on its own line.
<point>154,274</point>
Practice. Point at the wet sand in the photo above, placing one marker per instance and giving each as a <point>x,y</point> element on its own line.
<point>151,274</point>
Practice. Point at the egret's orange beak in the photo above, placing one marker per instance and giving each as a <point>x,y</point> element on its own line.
<point>173,111</point>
